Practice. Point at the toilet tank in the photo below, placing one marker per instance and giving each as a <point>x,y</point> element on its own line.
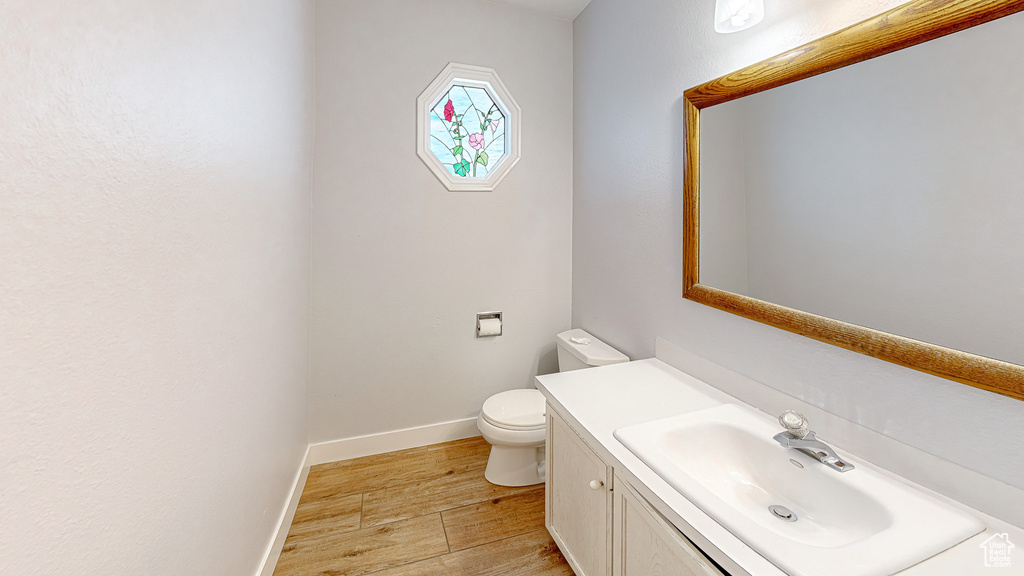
<point>575,355</point>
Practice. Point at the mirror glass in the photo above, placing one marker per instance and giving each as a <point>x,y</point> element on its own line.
<point>888,194</point>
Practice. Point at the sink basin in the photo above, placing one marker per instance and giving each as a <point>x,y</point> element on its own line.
<point>855,523</point>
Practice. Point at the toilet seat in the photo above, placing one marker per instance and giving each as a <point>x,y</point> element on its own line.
<point>515,410</point>
<point>510,438</point>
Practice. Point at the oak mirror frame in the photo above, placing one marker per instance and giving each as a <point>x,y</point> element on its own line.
<point>910,24</point>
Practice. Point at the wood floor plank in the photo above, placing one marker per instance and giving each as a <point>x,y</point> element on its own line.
<point>429,496</point>
<point>412,496</point>
<point>495,519</point>
<point>402,467</point>
<point>530,554</point>
<point>366,550</point>
<point>334,514</point>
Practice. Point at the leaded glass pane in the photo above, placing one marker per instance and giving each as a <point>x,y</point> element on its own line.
<point>467,131</point>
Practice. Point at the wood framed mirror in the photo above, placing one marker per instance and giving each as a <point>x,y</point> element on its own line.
<point>906,26</point>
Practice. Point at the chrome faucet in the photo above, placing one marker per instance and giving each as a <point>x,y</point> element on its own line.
<point>797,436</point>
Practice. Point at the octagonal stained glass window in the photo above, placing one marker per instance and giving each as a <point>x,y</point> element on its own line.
<point>468,128</point>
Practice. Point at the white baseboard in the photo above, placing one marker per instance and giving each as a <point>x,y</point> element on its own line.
<point>285,522</point>
<point>354,448</point>
<point>359,446</point>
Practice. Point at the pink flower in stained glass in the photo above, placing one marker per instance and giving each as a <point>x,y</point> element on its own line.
<point>476,141</point>
<point>449,111</point>
<point>494,125</point>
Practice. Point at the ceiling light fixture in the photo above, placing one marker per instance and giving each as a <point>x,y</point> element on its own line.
<point>735,15</point>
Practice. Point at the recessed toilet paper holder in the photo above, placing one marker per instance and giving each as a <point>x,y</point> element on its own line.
<point>486,326</point>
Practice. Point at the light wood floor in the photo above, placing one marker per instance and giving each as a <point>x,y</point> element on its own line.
<point>420,512</point>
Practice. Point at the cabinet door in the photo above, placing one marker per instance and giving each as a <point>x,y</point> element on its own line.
<point>579,502</point>
<point>647,545</point>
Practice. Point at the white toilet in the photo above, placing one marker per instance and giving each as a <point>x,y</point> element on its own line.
<point>513,421</point>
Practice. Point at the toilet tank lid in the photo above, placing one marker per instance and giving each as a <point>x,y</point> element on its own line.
<point>597,353</point>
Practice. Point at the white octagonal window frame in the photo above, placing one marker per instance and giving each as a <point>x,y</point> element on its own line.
<point>477,77</point>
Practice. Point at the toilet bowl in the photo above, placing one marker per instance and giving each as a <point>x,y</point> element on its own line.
<point>513,422</point>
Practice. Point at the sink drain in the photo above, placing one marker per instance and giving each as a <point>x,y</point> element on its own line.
<point>782,513</point>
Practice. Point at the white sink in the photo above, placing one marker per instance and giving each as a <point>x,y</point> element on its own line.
<point>855,523</point>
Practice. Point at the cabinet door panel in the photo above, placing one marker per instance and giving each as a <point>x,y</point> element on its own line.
<point>578,501</point>
<point>647,545</point>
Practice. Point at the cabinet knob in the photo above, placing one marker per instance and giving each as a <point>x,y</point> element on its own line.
<point>596,484</point>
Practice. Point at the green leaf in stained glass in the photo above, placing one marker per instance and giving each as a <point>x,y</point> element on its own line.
<point>457,150</point>
<point>461,168</point>
<point>482,158</point>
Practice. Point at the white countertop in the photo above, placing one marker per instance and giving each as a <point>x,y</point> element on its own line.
<point>597,401</point>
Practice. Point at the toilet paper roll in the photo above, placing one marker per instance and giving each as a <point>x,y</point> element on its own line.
<point>489,327</point>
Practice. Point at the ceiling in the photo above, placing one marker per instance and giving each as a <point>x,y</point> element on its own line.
<point>565,9</point>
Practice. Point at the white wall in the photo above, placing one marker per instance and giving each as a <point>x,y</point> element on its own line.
<point>154,219</point>
<point>401,265</point>
<point>631,68</point>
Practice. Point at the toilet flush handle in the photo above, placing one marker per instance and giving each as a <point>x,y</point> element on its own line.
<point>596,484</point>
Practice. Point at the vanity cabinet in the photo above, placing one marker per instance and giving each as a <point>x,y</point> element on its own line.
<point>603,526</point>
<point>645,544</point>
<point>578,500</point>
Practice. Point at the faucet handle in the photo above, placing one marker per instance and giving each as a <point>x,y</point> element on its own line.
<point>794,423</point>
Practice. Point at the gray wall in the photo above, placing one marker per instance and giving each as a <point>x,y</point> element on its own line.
<point>724,242</point>
<point>402,265</point>
<point>154,265</point>
<point>631,68</point>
